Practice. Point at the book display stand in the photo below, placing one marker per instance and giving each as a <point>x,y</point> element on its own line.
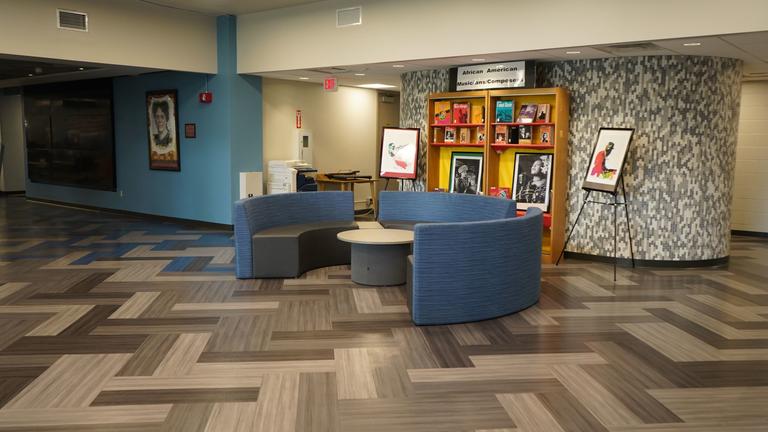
<point>615,204</point>
<point>507,128</point>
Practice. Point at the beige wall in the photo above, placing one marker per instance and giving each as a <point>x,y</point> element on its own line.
<point>13,176</point>
<point>399,30</point>
<point>122,32</point>
<point>343,126</point>
<point>750,195</point>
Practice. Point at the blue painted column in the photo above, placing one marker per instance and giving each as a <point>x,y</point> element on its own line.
<point>244,106</point>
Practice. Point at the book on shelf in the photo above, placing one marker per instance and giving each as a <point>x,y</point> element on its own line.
<point>481,134</point>
<point>436,132</point>
<point>442,112</point>
<point>464,135</point>
<point>527,113</point>
<point>544,135</point>
<point>477,111</point>
<point>450,134</point>
<point>542,114</point>
<point>501,192</point>
<point>526,134</point>
<point>513,134</point>
<point>461,113</point>
<point>501,134</point>
<point>505,111</point>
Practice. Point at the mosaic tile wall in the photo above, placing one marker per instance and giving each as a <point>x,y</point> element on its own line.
<point>679,174</point>
<point>416,87</point>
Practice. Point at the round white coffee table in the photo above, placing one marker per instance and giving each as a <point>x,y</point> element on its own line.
<point>379,256</point>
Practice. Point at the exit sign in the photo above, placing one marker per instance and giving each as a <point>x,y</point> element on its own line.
<point>330,84</point>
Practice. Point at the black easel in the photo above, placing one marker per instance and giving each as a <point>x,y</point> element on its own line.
<point>615,204</point>
<point>413,183</point>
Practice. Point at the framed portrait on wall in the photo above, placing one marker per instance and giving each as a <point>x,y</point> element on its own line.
<point>466,173</point>
<point>163,130</point>
<point>399,153</point>
<point>607,161</point>
<point>532,180</point>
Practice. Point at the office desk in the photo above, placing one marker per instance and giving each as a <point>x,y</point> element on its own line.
<point>349,185</point>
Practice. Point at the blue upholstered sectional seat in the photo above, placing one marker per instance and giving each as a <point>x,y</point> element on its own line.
<point>285,235</point>
<point>473,259</point>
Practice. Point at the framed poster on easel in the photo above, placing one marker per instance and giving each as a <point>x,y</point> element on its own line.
<point>607,161</point>
<point>604,172</point>
<point>399,153</point>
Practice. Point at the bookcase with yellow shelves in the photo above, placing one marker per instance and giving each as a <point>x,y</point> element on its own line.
<point>439,151</point>
<point>500,162</point>
<point>499,158</point>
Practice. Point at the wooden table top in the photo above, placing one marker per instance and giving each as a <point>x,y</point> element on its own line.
<point>322,178</point>
<point>376,236</point>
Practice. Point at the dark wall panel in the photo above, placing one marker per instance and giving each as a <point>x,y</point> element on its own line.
<point>70,134</point>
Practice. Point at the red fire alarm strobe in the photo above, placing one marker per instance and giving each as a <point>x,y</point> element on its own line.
<point>206,97</point>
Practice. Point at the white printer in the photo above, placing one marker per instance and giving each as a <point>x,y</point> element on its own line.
<point>289,176</point>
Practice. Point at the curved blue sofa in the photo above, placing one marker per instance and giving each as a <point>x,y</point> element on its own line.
<point>280,221</point>
<point>408,208</point>
<point>473,259</point>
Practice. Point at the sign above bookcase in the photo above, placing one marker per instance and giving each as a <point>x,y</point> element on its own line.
<point>489,76</point>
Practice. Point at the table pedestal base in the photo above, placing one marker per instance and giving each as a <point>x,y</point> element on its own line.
<point>379,264</point>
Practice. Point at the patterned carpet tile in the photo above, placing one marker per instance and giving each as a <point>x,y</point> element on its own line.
<point>113,323</point>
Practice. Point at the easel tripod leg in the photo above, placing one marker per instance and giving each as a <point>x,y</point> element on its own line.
<point>615,236</point>
<point>629,230</point>
<point>567,239</point>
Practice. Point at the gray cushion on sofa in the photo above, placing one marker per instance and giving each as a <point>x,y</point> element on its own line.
<point>291,250</point>
<point>401,224</point>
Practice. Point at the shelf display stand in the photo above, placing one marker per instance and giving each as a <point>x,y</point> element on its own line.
<point>548,136</point>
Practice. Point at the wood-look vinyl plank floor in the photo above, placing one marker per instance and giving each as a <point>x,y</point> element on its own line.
<point>121,324</point>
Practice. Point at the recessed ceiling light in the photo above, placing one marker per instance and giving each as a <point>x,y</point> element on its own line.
<point>573,52</point>
<point>398,66</point>
<point>30,74</point>
<point>478,60</point>
<point>359,74</point>
<point>692,44</point>
<point>376,86</point>
<point>303,78</point>
<point>81,68</point>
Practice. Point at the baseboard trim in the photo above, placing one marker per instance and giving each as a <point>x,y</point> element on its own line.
<point>626,262</point>
<point>749,233</point>
<point>12,193</point>
<point>138,215</point>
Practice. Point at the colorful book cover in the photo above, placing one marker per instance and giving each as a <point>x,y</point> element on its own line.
<point>504,111</point>
<point>527,113</point>
<point>544,135</point>
<point>525,134</point>
<point>450,134</point>
<point>501,192</point>
<point>461,113</point>
<point>442,112</point>
<point>501,134</point>
<point>477,111</point>
<point>464,135</point>
<point>513,134</point>
<point>542,115</point>
<point>481,134</point>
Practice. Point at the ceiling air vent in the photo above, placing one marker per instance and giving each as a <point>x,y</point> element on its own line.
<point>630,49</point>
<point>72,20</point>
<point>349,16</point>
<point>330,71</point>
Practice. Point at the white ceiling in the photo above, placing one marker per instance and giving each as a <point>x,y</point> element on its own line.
<point>752,48</point>
<point>228,7</point>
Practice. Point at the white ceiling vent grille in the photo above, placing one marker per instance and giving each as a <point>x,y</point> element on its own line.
<point>72,20</point>
<point>349,16</point>
<point>630,49</point>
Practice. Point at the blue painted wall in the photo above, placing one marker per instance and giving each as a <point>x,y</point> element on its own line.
<point>229,140</point>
